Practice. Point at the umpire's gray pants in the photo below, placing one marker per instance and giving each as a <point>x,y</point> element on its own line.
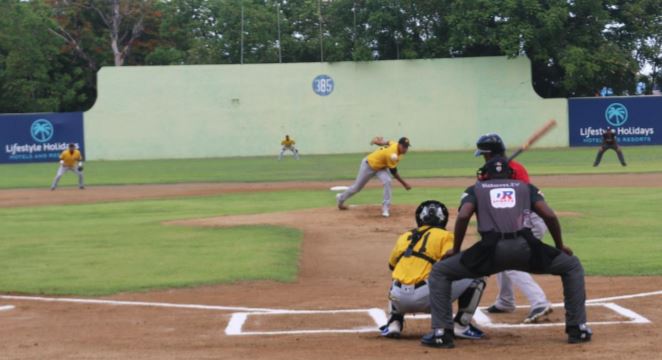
<point>406,299</point>
<point>365,174</point>
<point>63,169</point>
<point>509,254</point>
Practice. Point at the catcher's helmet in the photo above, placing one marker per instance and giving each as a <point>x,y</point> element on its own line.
<point>496,168</point>
<point>432,213</point>
<point>490,144</point>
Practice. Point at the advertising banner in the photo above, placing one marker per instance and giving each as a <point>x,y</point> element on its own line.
<point>637,120</point>
<point>39,137</point>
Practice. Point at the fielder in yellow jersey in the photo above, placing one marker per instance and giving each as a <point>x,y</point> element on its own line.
<point>70,160</point>
<point>288,145</point>
<point>381,163</point>
<point>411,262</point>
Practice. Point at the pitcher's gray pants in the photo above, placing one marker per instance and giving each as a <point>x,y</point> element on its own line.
<point>524,281</point>
<point>509,254</point>
<point>406,299</point>
<point>365,174</point>
<point>62,170</point>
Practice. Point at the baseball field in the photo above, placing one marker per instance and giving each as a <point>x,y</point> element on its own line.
<point>249,258</point>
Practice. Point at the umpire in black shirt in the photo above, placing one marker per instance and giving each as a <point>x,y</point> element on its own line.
<point>501,205</point>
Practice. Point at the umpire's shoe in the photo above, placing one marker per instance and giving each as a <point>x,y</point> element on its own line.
<point>439,338</point>
<point>578,333</point>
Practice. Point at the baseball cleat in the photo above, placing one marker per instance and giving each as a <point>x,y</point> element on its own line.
<point>537,314</point>
<point>495,310</point>
<point>578,334</point>
<point>341,206</point>
<point>468,332</point>
<point>392,330</point>
<point>439,338</point>
<point>385,213</point>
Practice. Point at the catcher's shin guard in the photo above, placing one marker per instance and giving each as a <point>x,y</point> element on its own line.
<point>468,302</point>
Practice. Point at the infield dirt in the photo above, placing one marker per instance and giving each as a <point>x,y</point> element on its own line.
<point>343,265</point>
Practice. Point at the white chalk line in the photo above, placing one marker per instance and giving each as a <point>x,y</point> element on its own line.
<point>7,307</point>
<point>379,316</point>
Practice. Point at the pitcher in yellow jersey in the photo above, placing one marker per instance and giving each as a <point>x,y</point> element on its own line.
<point>381,163</point>
<point>288,145</point>
<point>411,262</point>
<point>70,160</point>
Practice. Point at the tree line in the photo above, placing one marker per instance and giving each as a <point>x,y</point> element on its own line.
<point>50,50</point>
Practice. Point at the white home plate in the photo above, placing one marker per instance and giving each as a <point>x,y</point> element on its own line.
<point>6,307</point>
<point>339,188</point>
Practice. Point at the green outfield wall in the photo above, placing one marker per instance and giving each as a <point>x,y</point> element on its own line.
<point>160,112</point>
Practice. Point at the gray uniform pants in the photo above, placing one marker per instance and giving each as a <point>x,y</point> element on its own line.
<point>406,299</point>
<point>509,254</point>
<point>62,170</point>
<point>365,174</point>
<point>604,148</point>
<point>524,281</point>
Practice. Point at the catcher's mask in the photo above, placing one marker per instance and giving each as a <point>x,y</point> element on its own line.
<point>432,213</point>
<point>496,168</point>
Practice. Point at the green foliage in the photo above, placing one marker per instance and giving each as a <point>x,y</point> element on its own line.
<point>50,50</point>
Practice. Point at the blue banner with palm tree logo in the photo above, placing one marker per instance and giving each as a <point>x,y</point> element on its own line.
<point>39,137</point>
<point>637,120</point>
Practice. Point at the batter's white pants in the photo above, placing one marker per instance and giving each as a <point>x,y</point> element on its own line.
<point>63,169</point>
<point>365,174</point>
<point>294,151</point>
<point>523,281</point>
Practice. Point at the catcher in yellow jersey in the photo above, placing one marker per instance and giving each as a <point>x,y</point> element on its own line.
<point>411,262</point>
<point>70,160</point>
<point>288,144</point>
<point>381,163</point>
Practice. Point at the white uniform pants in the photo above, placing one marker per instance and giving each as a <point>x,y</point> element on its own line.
<point>63,169</point>
<point>407,299</point>
<point>294,151</point>
<point>365,174</point>
<point>522,280</point>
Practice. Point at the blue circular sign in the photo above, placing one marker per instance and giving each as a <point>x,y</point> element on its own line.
<point>616,114</point>
<point>323,85</point>
<point>42,130</point>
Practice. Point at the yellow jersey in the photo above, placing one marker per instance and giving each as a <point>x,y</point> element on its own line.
<point>70,158</point>
<point>287,143</point>
<point>385,157</point>
<point>433,244</point>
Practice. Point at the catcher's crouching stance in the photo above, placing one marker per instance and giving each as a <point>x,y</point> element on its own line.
<point>411,262</point>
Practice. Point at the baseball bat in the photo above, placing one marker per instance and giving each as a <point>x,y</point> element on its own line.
<point>534,137</point>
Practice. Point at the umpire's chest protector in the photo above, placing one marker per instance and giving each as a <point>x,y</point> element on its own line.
<point>501,205</point>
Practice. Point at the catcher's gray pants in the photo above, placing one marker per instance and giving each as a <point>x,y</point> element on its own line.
<point>406,299</point>
<point>524,281</point>
<point>365,174</point>
<point>294,151</point>
<point>509,254</point>
<point>63,169</point>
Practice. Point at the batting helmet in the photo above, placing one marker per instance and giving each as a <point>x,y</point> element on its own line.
<point>490,144</point>
<point>432,213</point>
<point>496,168</point>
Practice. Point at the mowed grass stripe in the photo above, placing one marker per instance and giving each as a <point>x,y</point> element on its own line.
<point>107,248</point>
<point>418,164</point>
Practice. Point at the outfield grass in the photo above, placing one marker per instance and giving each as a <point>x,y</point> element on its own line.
<point>112,247</point>
<point>322,167</point>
